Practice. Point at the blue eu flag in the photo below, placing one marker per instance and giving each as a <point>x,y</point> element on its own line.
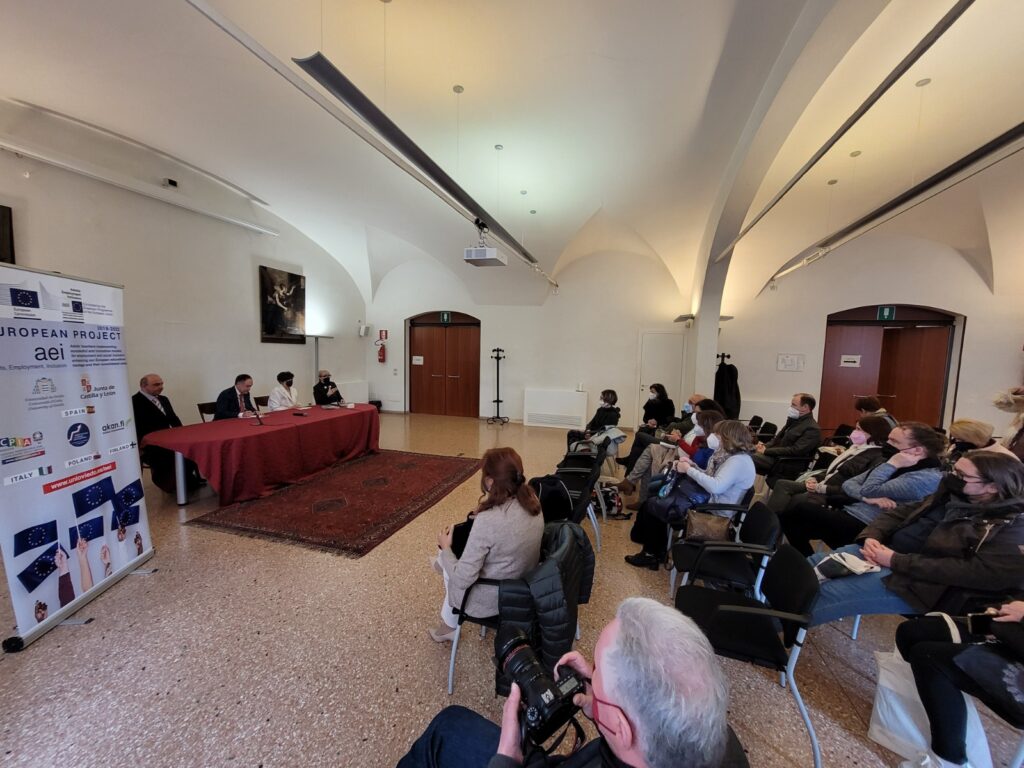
<point>125,517</point>
<point>22,298</point>
<point>129,495</point>
<point>90,497</point>
<point>40,568</point>
<point>89,530</point>
<point>33,537</point>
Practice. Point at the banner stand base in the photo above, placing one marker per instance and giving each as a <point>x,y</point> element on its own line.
<point>143,571</point>
<point>17,643</point>
<point>76,622</point>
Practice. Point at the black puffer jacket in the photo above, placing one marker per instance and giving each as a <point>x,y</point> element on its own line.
<point>544,603</point>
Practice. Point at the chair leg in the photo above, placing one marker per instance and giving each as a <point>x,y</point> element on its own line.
<point>451,662</point>
<point>794,654</point>
<point>483,631</point>
<point>602,505</point>
<point>577,630</point>
<point>856,627</point>
<point>672,582</point>
<point>1018,757</point>
<point>593,521</point>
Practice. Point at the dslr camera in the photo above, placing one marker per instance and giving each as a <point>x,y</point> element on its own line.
<point>547,705</point>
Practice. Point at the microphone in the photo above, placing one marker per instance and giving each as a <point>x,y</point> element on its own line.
<point>256,410</point>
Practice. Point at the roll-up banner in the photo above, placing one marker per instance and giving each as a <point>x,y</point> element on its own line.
<point>72,512</point>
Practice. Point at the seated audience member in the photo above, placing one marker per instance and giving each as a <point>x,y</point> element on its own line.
<point>656,457</point>
<point>1013,402</point>
<point>283,395</point>
<point>911,472</point>
<point>153,412</point>
<point>504,542</point>
<point>655,693</point>
<point>606,415</point>
<point>825,486</point>
<point>658,410</point>
<point>958,551</point>
<point>235,402</point>
<point>990,671</point>
<point>325,391</point>
<point>870,406</point>
<point>673,432</point>
<point>800,436</point>
<point>969,435</point>
<point>730,474</point>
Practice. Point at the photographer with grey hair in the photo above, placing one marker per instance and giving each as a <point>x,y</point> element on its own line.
<point>655,692</point>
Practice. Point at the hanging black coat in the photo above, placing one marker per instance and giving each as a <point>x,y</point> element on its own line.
<point>727,389</point>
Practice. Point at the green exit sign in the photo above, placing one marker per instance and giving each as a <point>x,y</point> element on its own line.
<point>446,317</point>
<point>887,313</point>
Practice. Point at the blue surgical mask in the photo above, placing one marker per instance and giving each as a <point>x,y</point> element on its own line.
<point>687,408</point>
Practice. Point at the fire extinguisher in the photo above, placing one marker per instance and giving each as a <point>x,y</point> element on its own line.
<point>382,355</point>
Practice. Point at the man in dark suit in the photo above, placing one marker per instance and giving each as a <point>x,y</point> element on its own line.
<point>234,402</point>
<point>801,435</point>
<point>325,391</point>
<point>153,412</point>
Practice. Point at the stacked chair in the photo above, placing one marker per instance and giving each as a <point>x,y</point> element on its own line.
<point>580,472</point>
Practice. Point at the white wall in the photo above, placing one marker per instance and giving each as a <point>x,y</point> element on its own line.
<point>191,282</point>
<point>587,333</point>
<point>881,269</point>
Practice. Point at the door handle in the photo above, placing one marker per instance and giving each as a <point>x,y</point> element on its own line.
<point>452,376</point>
<point>437,375</point>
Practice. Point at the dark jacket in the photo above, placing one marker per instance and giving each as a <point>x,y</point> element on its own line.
<point>970,555</point>
<point>727,389</point>
<point>662,411</point>
<point>320,396</point>
<point>684,424</point>
<point>148,417</point>
<point>227,404</point>
<point>605,416</point>
<point>800,437</point>
<point>855,465</point>
<point>544,603</point>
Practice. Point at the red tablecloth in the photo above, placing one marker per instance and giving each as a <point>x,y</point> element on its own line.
<point>243,460</point>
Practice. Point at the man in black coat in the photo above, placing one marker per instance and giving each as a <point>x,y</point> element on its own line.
<point>234,402</point>
<point>325,391</point>
<point>801,436</point>
<point>153,412</point>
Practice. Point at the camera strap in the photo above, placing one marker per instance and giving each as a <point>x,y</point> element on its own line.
<point>533,749</point>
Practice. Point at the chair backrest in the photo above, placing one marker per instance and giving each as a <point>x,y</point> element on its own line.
<point>206,409</point>
<point>262,401</point>
<point>790,585</point>
<point>767,431</point>
<point>555,501</point>
<point>760,526</point>
<point>755,423</point>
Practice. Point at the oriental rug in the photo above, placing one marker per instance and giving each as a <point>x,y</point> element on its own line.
<point>351,507</point>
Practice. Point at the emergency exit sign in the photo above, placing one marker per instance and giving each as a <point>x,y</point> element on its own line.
<point>886,313</point>
<point>446,317</point>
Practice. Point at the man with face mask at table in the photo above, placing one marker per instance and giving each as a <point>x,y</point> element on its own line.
<point>800,436</point>
<point>325,391</point>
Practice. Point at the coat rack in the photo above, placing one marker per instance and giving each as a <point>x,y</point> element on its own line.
<point>722,357</point>
<point>497,418</point>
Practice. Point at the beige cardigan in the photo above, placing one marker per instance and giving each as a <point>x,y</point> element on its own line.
<point>504,543</point>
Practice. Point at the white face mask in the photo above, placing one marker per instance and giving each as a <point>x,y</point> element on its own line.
<point>603,404</point>
<point>698,430</point>
<point>714,443</point>
<point>793,413</point>
<point>652,396</point>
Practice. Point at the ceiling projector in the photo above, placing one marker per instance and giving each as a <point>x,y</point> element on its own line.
<point>481,256</point>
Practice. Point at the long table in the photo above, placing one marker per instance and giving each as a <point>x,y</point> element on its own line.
<point>243,459</point>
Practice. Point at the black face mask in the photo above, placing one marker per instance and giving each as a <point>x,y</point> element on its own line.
<point>289,382</point>
<point>962,446</point>
<point>954,486</point>
<point>889,450</point>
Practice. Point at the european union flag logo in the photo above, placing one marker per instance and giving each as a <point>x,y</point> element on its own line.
<point>89,530</point>
<point>124,517</point>
<point>128,495</point>
<point>95,495</point>
<point>22,298</point>
<point>33,537</point>
<point>40,568</point>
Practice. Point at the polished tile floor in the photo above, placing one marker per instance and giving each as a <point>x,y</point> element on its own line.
<point>245,652</point>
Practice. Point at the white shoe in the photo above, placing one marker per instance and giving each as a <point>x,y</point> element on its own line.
<point>930,760</point>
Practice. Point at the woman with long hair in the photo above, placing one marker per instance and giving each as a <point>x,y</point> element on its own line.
<point>504,541</point>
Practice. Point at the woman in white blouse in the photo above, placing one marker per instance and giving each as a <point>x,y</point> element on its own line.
<point>283,396</point>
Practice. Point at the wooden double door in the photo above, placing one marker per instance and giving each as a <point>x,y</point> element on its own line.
<point>444,368</point>
<point>904,364</point>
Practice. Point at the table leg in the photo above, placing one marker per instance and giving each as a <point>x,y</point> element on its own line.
<point>179,478</point>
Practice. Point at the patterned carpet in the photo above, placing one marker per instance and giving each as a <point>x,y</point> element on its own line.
<point>350,507</point>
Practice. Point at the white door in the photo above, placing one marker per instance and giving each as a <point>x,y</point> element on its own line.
<point>661,361</point>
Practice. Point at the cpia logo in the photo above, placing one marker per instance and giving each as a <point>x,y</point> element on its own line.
<point>21,442</point>
<point>78,434</point>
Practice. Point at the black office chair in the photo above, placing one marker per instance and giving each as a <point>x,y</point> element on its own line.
<point>206,409</point>
<point>736,564</point>
<point>581,481</point>
<point>766,432</point>
<point>754,425</point>
<point>262,401</point>
<point>555,501</point>
<point>742,628</point>
<point>677,529</point>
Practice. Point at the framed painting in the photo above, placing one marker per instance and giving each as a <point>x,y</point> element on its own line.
<point>282,307</point>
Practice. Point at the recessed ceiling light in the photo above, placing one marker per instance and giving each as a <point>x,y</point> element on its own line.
<point>522,191</point>
<point>533,210</point>
<point>855,153</point>
<point>831,182</point>
<point>499,147</point>
<point>458,88</point>
<point>923,82</point>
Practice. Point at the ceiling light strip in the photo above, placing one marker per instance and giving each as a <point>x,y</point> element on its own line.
<point>356,126</point>
<point>127,183</point>
<point>908,61</point>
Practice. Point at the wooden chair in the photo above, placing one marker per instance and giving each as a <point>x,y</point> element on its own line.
<point>206,409</point>
<point>262,401</point>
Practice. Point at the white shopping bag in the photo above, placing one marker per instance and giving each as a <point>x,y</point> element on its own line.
<point>899,722</point>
